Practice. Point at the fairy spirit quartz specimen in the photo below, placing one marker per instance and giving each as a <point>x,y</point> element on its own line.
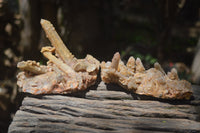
<point>63,73</point>
<point>153,82</point>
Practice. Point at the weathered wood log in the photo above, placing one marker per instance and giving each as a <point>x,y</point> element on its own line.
<point>103,109</point>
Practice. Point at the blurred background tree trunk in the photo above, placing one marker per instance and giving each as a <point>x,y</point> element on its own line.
<point>87,26</point>
<point>196,65</point>
<point>32,38</point>
<point>167,13</point>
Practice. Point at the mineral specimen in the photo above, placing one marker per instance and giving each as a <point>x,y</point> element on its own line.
<point>63,74</point>
<point>153,82</point>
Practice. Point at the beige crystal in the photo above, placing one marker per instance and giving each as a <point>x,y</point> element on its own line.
<point>153,82</point>
<point>63,74</point>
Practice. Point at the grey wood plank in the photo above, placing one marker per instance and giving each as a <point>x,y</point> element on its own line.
<point>105,109</point>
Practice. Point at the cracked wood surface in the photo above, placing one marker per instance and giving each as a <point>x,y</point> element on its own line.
<point>106,108</point>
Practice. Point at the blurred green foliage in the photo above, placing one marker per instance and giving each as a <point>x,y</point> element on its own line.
<point>147,59</point>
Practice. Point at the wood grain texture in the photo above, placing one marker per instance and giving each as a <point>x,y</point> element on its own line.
<point>108,109</point>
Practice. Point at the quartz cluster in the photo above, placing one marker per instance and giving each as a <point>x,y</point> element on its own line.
<point>63,73</point>
<point>152,82</point>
